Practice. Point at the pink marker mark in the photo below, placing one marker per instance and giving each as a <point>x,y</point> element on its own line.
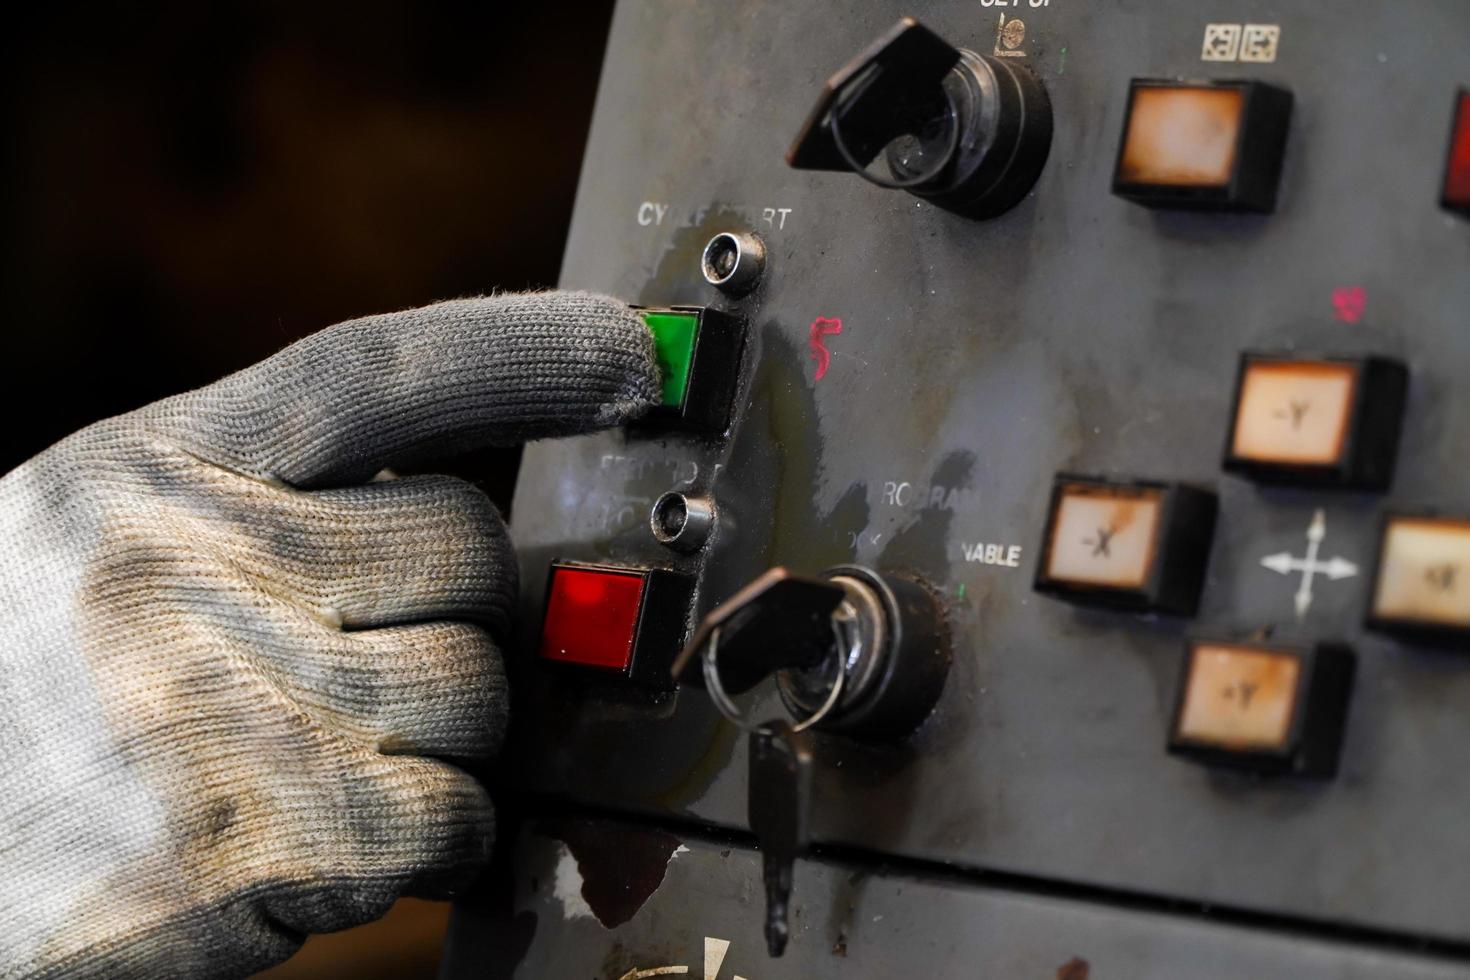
<point>822,326</point>
<point>1348,303</point>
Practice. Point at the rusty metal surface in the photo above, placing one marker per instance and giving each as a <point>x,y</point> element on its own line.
<point>1078,332</point>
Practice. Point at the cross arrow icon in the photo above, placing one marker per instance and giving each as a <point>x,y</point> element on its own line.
<point>1334,568</point>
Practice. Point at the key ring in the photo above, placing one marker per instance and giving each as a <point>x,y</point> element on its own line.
<point>727,706</point>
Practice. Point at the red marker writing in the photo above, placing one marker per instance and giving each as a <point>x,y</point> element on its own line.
<point>820,327</point>
<point>1348,303</point>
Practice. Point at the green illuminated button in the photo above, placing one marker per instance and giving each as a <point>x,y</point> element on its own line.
<point>698,351</point>
<point>674,334</point>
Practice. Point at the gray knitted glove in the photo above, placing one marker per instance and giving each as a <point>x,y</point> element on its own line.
<point>231,669</point>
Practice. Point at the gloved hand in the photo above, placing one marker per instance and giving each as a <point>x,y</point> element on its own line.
<point>231,669</point>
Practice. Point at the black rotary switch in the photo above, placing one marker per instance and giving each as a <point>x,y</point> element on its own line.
<point>964,130</point>
<point>852,651</point>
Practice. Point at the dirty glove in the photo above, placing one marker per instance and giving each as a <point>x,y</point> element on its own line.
<point>232,669</point>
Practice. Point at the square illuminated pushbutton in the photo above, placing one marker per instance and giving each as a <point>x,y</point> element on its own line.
<point>698,351</point>
<point>1456,194</point>
<point>1213,146</point>
<point>629,621</point>
<point>674,332</point>
<point>1422,586</point>
<point>1317,421</point>
<point>1273,708</point>
<point>1134,545</point>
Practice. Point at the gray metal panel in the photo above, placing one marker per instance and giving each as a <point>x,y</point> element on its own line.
<point>1077,332</point>
<point>854,924</point>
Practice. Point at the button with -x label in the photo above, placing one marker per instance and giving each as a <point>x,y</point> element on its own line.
<point>1140,544</point>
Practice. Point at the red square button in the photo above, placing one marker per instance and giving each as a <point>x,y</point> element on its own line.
<point>592,616</point>
<point>1457,174</point>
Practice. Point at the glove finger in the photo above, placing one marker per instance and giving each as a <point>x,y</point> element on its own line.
<point>390,390</point>
<point>412,826</point>
<point>432,689</point>
<point>447,824</point>
<point>399,551</point>
<point>429,689</point>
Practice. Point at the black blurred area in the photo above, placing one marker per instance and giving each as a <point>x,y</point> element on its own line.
<point>188,187</point>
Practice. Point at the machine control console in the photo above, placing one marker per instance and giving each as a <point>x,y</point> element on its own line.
<point>1066,520</point>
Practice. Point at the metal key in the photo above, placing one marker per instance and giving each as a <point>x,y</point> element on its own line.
<point>780,802</point>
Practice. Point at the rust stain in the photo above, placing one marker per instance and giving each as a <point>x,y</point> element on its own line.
<point>1074,969</point>
<point>1125,513</point>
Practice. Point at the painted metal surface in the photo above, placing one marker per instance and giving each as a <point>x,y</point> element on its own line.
<point>913,381</point>
<point>702,921</point>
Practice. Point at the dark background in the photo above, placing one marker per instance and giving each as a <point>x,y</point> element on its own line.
<point>188,187</point>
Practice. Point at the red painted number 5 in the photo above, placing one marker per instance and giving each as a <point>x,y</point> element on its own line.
<point>821,327</point>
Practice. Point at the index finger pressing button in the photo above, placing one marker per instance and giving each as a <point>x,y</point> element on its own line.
<point>392,390</point>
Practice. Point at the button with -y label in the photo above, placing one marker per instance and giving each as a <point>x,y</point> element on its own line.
<point>1422,586</point>
<point>1317,421</point>
<point>1137,545</point>
<point>1273,708</point>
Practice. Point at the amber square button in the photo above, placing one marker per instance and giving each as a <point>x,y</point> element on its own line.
<point>1422,585</point>
<point>1182,136</point>
<point>1140,545</point>
<point>1202,145</point>
<point>1317,421</point>
<point>1238,698</point>
<point>1266,707</point>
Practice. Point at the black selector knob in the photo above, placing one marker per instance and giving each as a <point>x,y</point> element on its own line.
<point>780,621</point>
<point>895,658</point>
<point>852,650</point>
<point>964,130</point>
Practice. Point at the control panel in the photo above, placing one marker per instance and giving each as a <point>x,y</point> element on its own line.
<point>1052,553</point>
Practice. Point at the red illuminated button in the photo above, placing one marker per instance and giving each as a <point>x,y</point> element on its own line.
<point>592,617</point>
<point>627,620</point>
<point>1456,195</point>
<point>1214,146</point>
